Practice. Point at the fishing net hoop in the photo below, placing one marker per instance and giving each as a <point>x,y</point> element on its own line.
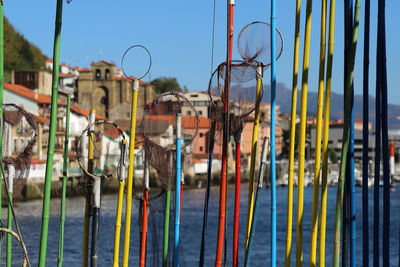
<point>180,98</point>
<point>80,157</point>
<point>22,161</point>
<point>148,68</point>
<point>236,122</point>
<point>252,60</point>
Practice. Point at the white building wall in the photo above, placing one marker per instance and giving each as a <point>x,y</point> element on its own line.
<point>27,104</point>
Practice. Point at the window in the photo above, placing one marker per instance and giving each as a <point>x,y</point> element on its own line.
<point>128,114</point>
<point>200,112</point>
<point>201,148</point>
<point>107,74</point>
<point>201,134</point>
<point>188,113</point>
<point>30,77</point>
<point>194,95</point>
<point>22,140</point>
<point>15,147</point>
<point>98,74</point>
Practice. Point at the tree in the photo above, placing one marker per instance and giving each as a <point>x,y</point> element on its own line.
<point>165,84</point>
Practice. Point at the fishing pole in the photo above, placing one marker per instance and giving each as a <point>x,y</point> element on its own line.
<point>10,178</point>
<point>273,133</point>
<point>96,188</point>
<point>236,212</point>
<point>254,145</point>
<point>385,138</point>
<point>293,118</point>
<point>1,94</point>
<point>302,138</point>
<point>325,144</point>
<point>86,221</point>
<point>178,179</point>
<point>51,139</point>
<point>145,204</point>
<point>129,182</point>
<point>318,138</point>
<point>365,148</point>
<point>223,184</point>
<point>64,179</point>
<point>210,151</point>
<point>131,167</point>
<point>263,165</point>
<point>207,193</point>
<point>121,187</point>
<point>346,134</point>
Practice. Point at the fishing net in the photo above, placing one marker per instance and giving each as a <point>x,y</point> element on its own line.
<point>19,138</point>
<point>158,131</point>
<point>107,138</point>
<point>254,43</point>
<point>242,96</point>
<point>158,128</point>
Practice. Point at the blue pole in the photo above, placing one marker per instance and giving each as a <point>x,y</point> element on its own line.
<point>377,157</point>
<point>272,135</point>
<point>385,141</point>
<point>177,188</point>
<point>365,159</point>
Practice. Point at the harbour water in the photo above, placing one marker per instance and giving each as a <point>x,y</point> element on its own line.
<point>29,217</point>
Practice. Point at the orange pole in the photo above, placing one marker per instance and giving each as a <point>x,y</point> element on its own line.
<point>222,198</point>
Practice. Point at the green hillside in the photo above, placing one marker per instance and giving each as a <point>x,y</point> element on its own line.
<point>19,53</point>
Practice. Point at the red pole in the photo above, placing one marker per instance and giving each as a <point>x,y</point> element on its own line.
<point>222,198</point>
<point>143,234</point>
<point>392,162</point>
<point>237,207</point>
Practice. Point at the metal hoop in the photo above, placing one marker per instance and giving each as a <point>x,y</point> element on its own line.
<point>126,52</point>
<point>79,156</point>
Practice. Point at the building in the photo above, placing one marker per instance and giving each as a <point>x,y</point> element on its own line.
<point>104,89</point>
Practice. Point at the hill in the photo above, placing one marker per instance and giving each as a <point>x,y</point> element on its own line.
<point>19,53</point>
<point>284,96</point>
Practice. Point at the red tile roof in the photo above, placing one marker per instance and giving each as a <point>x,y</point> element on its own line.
<point>84,70</point>
<point>85,112</point>
<point>66,75</point>
<point>28,93</point>
<point>41,119</point>
<point>42,99</point>
<point>49,60</point>
<point>104,61</point>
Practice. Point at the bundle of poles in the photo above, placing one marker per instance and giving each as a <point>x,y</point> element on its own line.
<point>344,246</point>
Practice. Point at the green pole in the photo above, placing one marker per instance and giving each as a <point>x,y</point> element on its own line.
<point>346,137</point>
<point>1,98</point>
<point>51,140</point>
<point>166,225</point>
<point>64,186</point>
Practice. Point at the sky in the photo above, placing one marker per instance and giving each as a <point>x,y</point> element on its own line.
<point>178,34</point>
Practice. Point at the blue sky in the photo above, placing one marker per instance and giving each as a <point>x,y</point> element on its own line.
<point>178,34</point>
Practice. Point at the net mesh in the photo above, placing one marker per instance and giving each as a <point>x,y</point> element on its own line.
<point>242,97</point>
<point>19,127</point>
<point>158,128</point>
<point>107,138</point>
<point>254,43</point>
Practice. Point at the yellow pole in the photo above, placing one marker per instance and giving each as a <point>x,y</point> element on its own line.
<point>128,210</point>
<point>118,217</point>
<point>289,221</point>
<point>302,139</point>
<point>324,181</point>
<point>86,224</point>
<point>318,138</point>
<point>254,145</point>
